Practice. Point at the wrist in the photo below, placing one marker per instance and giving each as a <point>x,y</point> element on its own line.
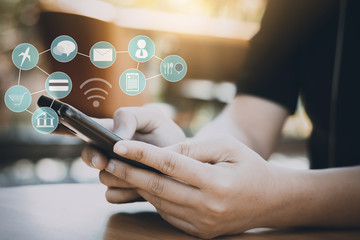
<point>288,198</point>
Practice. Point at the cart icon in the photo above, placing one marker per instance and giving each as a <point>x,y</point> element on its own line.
<point>17,99</point>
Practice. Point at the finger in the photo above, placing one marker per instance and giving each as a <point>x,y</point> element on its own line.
<point>120,195</point>
<point>207,150</point>
<point>179,223</point>
<point>163,136</point>
<point>168,162</point>
<point>110,180</point>
<point>130,119</point>
<point>125,123</point>
<point>157,184</point>
<point>107,123</point>
<point>93,158</point>
<point>179,211</point>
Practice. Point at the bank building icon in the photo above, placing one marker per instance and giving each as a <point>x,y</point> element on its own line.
<point>45,120</point>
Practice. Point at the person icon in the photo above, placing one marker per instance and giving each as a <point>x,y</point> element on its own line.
<point>141,48</point>
<point>141,52</point>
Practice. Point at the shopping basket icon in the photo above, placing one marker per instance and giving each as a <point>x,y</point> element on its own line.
<point>17,99</point>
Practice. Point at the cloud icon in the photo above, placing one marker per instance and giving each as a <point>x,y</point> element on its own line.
<point>64,47</point>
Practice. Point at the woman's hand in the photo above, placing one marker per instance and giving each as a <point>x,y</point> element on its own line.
<point>148,124</point>
<point>222,186</point>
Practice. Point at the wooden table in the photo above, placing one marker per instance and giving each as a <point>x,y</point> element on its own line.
<point>80,211</point>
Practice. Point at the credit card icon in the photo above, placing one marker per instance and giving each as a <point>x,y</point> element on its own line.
<point>59,85</point>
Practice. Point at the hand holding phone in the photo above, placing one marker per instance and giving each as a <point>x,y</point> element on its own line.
<point>87,129</point>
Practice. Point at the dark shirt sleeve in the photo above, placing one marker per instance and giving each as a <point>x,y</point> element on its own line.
<point>273,65</point>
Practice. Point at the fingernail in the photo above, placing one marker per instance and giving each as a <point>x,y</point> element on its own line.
<point>94,161</point>
<point>120,149</point>
<point>110,166</point>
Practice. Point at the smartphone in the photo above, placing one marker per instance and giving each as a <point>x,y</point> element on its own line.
<point>87,129</point>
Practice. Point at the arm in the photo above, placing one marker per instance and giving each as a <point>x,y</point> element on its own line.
<point>254,121</point>
<point>327,198</point>
<point>258,123</point>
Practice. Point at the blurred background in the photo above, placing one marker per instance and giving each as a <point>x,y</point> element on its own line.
<point>212,36</point>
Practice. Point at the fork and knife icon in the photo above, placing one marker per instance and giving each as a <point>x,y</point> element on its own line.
<point>168,67</point>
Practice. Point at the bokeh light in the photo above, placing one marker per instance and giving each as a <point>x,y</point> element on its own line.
<point>24,169</point>
<point>82,173</point>
<point>51,170</point>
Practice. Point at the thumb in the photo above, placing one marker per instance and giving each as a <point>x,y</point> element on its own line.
<point>124,124</point>
<point>128,120</point>
<point>105,122</point>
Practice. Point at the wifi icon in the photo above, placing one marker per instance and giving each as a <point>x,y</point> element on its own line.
<point>93,93</point>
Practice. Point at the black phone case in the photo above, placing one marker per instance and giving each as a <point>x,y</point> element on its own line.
<point>87,129</point>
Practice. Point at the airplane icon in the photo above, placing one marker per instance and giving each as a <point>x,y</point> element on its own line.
<point>25,56</point>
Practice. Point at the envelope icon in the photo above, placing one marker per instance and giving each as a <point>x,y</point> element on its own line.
<point>102,55</point>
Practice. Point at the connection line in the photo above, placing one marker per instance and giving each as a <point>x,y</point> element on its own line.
<point>153,77</point>
<point>38,92</point>
<point>83,55</point>
<point>19,77</point>
<point>158,57</point>
<point>44,51</point>
<point>42,70</point>
<point>29,111</point>
<point>122,51</point>
<point>137,67</point>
